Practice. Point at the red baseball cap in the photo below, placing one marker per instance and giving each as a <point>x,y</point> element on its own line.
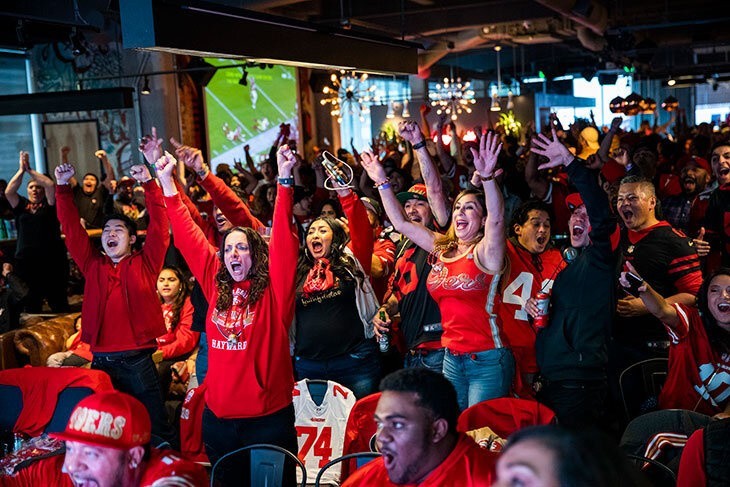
<point>110,419</point>
<point>700,163</point>
<point>573,201</point>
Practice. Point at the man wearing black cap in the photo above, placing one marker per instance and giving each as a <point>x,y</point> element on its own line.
<point>302,210</point>
<point>420,317</point>
<point>572,351</point>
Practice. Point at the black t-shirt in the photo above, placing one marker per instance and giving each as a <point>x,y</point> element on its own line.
<point>91,206</point>
<point>39,233</point>
<point>415,304</point>
<point>328,324</point>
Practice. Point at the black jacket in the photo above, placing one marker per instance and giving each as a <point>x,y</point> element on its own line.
<point>574,344</point>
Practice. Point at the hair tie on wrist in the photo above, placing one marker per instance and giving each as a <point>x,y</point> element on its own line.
<point>419,145</point>
<point>486,178</point>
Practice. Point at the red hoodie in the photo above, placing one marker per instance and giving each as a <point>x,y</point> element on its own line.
<point>252,375</point>
<point>137,274</point>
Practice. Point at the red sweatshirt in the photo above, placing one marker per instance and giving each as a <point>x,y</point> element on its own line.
<point>179,339</point>
<point>251,375</point>
<point>139,318</point>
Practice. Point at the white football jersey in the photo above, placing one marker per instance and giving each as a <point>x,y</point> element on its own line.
<point>321,428</point>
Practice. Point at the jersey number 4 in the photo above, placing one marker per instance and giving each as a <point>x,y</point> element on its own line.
<point>520,290</point>
<point>320,440</point>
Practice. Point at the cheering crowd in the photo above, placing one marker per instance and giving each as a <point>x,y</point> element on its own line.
<point>539,270</point>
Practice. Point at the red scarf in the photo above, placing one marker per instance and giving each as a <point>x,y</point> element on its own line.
<point>320,277</point>
<point>34,207</point>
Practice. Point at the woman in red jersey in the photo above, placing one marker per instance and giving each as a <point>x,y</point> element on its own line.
<point>468,262</point>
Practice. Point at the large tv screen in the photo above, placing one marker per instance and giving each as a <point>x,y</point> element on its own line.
<point>250,114</point>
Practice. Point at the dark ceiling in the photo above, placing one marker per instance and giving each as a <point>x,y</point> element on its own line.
<point>658,38</point>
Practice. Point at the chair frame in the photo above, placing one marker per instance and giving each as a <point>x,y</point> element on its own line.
<point>655,463</point>
<point>359,455</point>
<point>640,364</point>
<point>262,446</point>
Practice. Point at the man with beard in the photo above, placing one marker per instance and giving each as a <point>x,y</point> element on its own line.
<point>108,445</point>
<point>407,293</point>
<point>572,350</point>
<point>416,420</point>
<point>686,210</point>
<point>717,218</point>
<point>90,196</point>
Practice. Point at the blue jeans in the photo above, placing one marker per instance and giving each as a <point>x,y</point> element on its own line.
<point>135,374</point>
<point>431,359</point>
<point>481,375</point>
<point>201,361</point>
<point>359,371</point>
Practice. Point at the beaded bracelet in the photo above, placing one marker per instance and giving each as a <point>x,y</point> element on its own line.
<point>381,183</point>
<point>286,181</point>
<point>486,178</point>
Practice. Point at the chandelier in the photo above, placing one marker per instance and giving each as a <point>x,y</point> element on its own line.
<point>452,97</point>
<point>349,93</point>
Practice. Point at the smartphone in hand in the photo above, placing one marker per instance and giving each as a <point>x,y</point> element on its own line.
<point>635,283</point>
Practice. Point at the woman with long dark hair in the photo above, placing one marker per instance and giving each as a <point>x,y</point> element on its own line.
<point>699,354</point>
<point>333,336</point>
<point>251,294</point>
<point>468,262</point>
<point>180,340</point>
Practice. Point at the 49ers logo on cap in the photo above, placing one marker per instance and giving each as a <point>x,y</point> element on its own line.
<point>91,421</point>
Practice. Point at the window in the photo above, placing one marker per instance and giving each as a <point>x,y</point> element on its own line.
<point>15,130</point>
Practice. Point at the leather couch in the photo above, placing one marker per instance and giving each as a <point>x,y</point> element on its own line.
<point>35,340</point>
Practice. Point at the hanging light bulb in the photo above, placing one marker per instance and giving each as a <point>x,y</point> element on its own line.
<point>391,111</point>
<point>510,102</point>
<point>146,87</point>
<point>406,112</point>
<point>495,103</point>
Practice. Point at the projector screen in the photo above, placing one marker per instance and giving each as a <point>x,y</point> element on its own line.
<point>239,115</point>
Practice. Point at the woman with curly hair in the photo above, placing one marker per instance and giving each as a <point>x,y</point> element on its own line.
<point>333,331</point>
<point>699,353</point>
<point>180,340</point>
<point>248,396</point>
<point>468,262</point>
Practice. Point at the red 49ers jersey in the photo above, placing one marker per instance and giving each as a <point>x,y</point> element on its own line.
<point>528,274</point>
<point>699,377</point>
<point>321,428</point>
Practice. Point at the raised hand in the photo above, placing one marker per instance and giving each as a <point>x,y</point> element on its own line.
<point>151,147</point>
<point>140,173</point>
<point>373,167</point>
<point>64,173</point>
<point>165,166</point>
<point>552,149</point>
<point>621,156</point>
<point>485,160</point>
<point>616,123</point>
<point>24,161</point>
<point>101,154</point>
<point>286,161</point>
<point>410,131</point>
<point>190,156</point>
